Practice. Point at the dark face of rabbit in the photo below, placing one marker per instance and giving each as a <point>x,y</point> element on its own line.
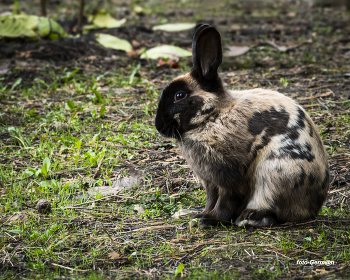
<point>188,100</point>
<point>257,153</point>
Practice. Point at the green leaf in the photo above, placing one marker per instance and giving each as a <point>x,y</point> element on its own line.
<point>102,111</point>
<point>49,27</point>
<point>29,173</point>
<point>165,51</point>
<point>136,69</point>
<point>46,166</point>
<point>112,42</point>
<point>15,26</point>
<point>93,113</point>
<point>78,144</point>
<point>18,26</point>
<point>45,184</point>
<point>32,113</point>
<point>308,238</point>
<point>16,83</point>
<point>174,27</point>
<point>133,254</point>
<point>41,82</point>
<point>96,136</point>
<point>70,104</point>
<point>121,138</point>
<point>319,239</point>
<point>16,231</point>
<point>179,269</point>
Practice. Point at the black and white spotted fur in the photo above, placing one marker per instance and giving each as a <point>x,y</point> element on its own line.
<point>257,152</point>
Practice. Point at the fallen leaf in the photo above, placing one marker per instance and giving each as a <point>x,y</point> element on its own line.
<point>49,27</point>
<point>135,43</point>
<point>235,27</point>
<point>138,10</point>
<point>112,42</point>
<point>283,48</point>
<point>18,26</point>
<point>15,26</point>
<point>236,50</point>
<point>184,213</point>
<point>104,20</point>
<point>122,184</point>
<point>113,255</point>
<point>171,64</point>
<point>4,67</point>
<point>139,209</point>
<point>174,27</point>
<point>19,218</point>
<point>280,48</point>
<point>165,51</point>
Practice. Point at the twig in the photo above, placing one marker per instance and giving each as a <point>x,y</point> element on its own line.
<point>43,8</point>
<point>19,139</point>
<point>277,253</point>
<point>150,228</point>
<point>335,177</point>
<point>69,268</point>
<point>81,14</point>
<point>339,190</point>
<point>110,237</point>
<point>98,167</point>
<point>9,218</point>
<point>315,96</point>
<point>325,86</point>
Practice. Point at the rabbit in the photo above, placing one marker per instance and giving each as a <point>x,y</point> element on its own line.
<point>257,153</point>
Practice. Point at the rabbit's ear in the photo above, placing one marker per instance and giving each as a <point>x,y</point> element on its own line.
<point>206,50</point>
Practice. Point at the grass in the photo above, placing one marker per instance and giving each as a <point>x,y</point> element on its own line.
<point>72,130</point>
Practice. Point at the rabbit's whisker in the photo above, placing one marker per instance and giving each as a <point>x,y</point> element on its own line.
<point>179,135</point>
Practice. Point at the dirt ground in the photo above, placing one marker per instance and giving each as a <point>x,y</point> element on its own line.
<point>90,111</point>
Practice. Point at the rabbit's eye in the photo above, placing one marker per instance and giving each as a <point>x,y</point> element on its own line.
<point>179,96</point>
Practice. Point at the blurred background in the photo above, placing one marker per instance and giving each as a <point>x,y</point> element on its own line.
<point>256,34</point>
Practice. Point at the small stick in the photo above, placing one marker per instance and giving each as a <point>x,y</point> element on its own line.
<point>110,237</point>
<point>277,253</point>
<point>43,8</point>
<point>315,96</point>
<point>81,14</point>
<point>98,167</point>
<point>339,190</point>
<point>66,267</point>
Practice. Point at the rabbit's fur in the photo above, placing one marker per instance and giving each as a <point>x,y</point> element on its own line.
<point>257,153</point>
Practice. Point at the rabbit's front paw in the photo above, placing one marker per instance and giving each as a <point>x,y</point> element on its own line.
<point>213,218</point>
<point>256,218</point>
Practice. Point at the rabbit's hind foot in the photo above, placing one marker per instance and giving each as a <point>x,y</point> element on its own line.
<point>257,218</point>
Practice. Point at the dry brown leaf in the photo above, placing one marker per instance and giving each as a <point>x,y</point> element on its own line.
<point>113,255</point>
<point>19,218</point>
<point>171,64</point>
